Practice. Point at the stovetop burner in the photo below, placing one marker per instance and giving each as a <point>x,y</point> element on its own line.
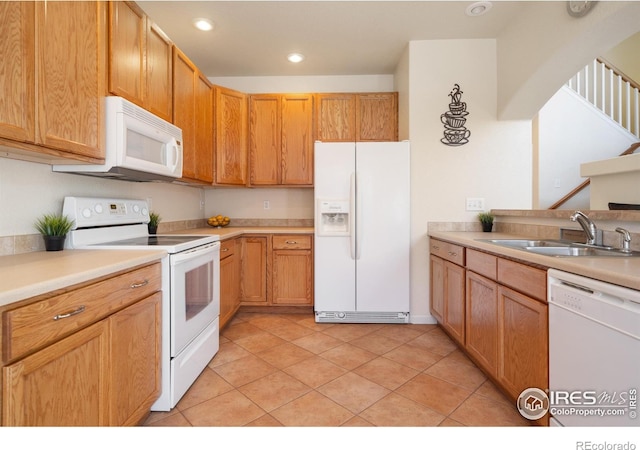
<point>155,240</point>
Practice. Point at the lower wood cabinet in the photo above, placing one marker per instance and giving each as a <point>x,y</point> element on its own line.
<point>229,279</point>
<point>505,315</point>
<point>104,373</point>
<point>276,270</point>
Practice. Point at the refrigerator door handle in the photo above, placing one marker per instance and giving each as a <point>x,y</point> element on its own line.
<point>358,216</point>
<point>352,202</point>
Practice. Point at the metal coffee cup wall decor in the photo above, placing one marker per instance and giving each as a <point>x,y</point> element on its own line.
<point>455,133</point>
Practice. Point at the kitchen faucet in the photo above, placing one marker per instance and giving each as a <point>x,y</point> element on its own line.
<point>588,226</point>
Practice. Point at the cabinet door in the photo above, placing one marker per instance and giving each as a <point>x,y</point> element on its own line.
<point>436,268</point>
<point>482,321</point>
<point>159,73</point>
<point>71,54</point>
<point>297,140</point>
<point>184,110</point>
<point>523,342</point>
<point>127,30</point>
<point>253,278</point>
<point>264,139</point>
<point>17,85</point>
<point>229,281</point>
<point>454,276</point>
<point>65,384</point>
<point>292,273</point>
<point>135,379</point>
<point>204,130</point>
<point>377,117</point>
<point>231,137</point>
<point>336,117</point>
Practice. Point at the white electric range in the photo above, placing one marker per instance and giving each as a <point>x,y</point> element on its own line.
<point>190,283</point>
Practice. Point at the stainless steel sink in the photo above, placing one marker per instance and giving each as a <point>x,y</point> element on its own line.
<point>558,247</point>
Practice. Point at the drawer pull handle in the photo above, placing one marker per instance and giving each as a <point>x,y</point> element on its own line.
<point>453,254</point>
<point>291,242</point>
<point>435,247</point>
<point>139,285</point>
<point>69,314</point>
<point>224,249</point>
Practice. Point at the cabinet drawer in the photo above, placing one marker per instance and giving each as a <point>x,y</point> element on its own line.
<point>295,242</point>
<point>448,251</point>
<point>35,325</point>
<point>526,279</point>
<point>482,263</point>
<point>227,248</point>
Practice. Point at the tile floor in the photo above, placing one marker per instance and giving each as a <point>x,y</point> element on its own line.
<point>287,370</point>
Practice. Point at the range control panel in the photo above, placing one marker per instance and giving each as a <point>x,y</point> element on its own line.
<point>87,212</point>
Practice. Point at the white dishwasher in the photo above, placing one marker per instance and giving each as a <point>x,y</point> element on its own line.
<point>594,352</point>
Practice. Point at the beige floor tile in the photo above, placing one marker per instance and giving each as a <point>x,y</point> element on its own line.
<point>479,411</point>
<point>417,358</point>
<point>311,323</point>
<point>397,411</point>
<point>155,416</point>
<point>348,356</point>
<point>350,331</point>
<point>315,371</point>
<point>489,390</point>
<point>403,333</point>
<point>376,343</point>
<point>240,330</point>
<point>274,390</point>
<point>228,352</point>
<point>386,373</point>
<point>354,392</point>
<point>312,410</point>
<point>174,420</point>
<point>457,372</point>
<point>265,421</point>
<point>227,410</point>
<point>284,355</point>
<point>208,385</point>
<point>291,331</point>
<point>459,356</point>
<point>435,342</point>
<point>317,342</point>
<point>450,423</point>
<point>259,342</point>
<point>357,421</point>
<point>269,321</point>
<point>439,395</point>
<point>244,370</point>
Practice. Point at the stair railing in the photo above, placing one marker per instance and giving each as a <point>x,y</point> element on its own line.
<point>611,91</point>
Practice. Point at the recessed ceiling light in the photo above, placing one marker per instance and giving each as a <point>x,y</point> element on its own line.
<point>295,57</point>
<point>203,24</point>
<point>478,9</point>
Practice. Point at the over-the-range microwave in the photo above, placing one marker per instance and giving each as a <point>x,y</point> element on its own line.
<point>139,146</point>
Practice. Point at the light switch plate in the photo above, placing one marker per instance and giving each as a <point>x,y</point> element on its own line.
<point>475,204</point>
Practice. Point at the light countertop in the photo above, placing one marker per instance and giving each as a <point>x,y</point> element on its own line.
<point>230,232</point>
<point>29,274</point>
<point>623,271</point>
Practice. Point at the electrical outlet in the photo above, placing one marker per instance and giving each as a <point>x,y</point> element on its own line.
<point>475,204</point>
<point>266,204</point>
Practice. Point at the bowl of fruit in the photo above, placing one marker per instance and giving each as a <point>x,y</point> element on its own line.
<point>218,221</point>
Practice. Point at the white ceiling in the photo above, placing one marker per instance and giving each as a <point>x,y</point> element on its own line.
<point>253,38</point>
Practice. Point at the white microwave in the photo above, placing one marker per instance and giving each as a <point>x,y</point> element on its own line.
<point>139,146</point>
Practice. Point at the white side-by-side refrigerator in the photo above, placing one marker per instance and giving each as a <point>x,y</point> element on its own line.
<point>362,232</point>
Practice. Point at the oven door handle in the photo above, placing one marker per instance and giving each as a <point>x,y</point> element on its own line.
<point>195,253</point>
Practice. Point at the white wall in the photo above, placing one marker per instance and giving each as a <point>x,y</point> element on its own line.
<point>571,132</point>
<point>303,84</point>
<point>496,164</point>
<point>28,190</point>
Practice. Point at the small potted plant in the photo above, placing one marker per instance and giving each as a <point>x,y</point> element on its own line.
<point>154,221</point>
<point>54,229</point>
<point>486,219</point>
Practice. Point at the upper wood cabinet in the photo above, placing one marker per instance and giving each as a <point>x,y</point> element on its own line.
<point>281,139</point>
<point>193,113</point>
<point>357,117</point>
<point>231,122</point>
<point>140,62</point>
<point>53,92</point>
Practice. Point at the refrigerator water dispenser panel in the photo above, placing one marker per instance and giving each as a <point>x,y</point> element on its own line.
<point>334,218</point>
